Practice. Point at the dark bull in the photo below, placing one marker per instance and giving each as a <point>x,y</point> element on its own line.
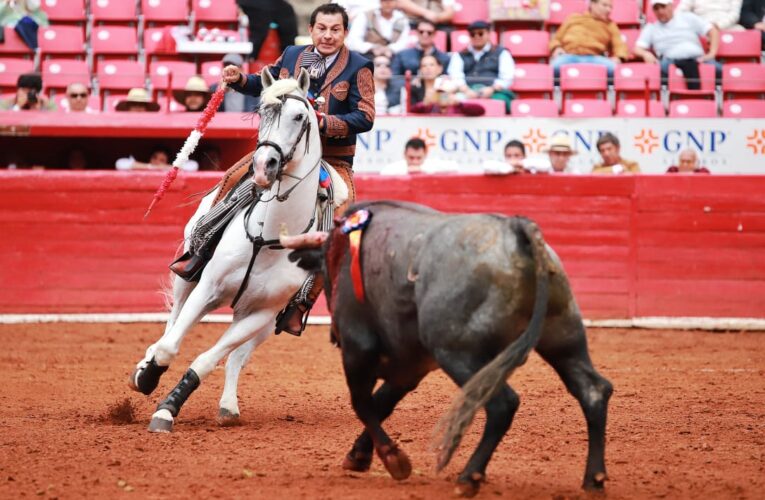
<point>471,294</point>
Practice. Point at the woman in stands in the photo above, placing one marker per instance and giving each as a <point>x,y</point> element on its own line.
<point>433,93</point>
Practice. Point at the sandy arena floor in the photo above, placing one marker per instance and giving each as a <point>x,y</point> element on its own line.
<point>687,420</point>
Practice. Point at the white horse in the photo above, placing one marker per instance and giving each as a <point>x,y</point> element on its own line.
<point>286,164</point>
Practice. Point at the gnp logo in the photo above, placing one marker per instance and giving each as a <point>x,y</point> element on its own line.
<point>756,142</point>
<point>672,141</point>
<point>535,140</point>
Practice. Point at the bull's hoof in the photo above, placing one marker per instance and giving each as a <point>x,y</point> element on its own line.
<point>161,421</point>
<point>357,461</point>
<point>395,461</point>
<point>228,419</point>
<point>596,482</point>
<point>146,379</point>
<point>468,487</point>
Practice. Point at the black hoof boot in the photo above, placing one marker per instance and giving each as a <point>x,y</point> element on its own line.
<point>146,380</point>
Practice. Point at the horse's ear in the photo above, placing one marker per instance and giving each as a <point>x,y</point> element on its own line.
<point>266,78</point>
<point>304,81</point>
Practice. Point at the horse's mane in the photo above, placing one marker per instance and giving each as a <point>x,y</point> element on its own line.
<point>272,94</point>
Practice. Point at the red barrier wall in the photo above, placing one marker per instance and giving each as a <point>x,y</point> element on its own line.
<point>633,246</point>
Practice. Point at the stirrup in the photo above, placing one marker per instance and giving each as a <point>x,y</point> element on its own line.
<point>282,319</point>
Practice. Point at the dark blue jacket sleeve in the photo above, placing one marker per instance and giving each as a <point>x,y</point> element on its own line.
<point>252,85</point>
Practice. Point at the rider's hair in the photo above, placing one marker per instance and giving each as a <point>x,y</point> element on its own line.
<point>515,143</point>
<point>606,138</point>
<point>416,143</point>
<point>330,9</point>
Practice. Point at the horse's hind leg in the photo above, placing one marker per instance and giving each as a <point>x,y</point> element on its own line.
<point>572,363</point>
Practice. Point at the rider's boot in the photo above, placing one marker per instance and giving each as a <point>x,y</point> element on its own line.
<point>294,317</point>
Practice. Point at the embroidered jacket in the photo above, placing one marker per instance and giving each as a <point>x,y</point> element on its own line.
<point>349,98</point>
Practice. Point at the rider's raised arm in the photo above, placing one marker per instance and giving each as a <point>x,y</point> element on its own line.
<point>251,84</point>
<point>361,100</point>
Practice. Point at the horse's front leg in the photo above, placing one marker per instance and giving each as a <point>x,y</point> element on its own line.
<point>241,330</point>
<point>228,413</point>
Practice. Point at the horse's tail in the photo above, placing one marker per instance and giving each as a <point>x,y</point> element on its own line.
<point>484,384</point>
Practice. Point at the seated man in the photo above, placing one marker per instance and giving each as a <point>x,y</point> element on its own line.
<point>28,95</point>
<point>560,151</point>
<point>722,13</point>
<point>438,12</point>
<point>138,100</point>
<point>379,32</point>
<point>589,38</point>
<point>76,101</point>
<point>416,161</point>
<point>675,39</point>
<point>483,70</point>
<point>688,163</point>
<point>515,155</point>
<point>613,163</point>
<point>194,95</point>
<point>409,59</point>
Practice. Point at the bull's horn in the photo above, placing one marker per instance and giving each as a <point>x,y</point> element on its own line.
<point>314,239</point>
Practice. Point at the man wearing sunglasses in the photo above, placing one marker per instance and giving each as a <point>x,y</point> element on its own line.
<point>77,95</point>
<point>409,59</point>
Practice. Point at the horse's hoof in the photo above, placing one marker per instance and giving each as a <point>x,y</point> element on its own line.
<point>161,421</point>
<point>227,418</point>
<point>357,461</point>
<point>396,462</point>
<point>468,487</point>
<point>146,379</point>
<point>596,482</point>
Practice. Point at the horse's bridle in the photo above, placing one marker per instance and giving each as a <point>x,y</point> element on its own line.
<point>304,129</point>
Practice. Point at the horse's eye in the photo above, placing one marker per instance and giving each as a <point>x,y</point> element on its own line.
<point>299,118</point>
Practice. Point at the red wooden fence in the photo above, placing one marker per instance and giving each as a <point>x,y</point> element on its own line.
<point>633,246</point>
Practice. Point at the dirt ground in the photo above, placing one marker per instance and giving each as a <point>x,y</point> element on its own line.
<point>687,420</point>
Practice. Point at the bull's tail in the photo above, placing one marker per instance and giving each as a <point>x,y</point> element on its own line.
<point>483,385</point>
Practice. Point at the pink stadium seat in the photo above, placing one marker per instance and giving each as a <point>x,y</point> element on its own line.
<point>739,46</point>
<point>527,45</point>
<point>744,108</point>
<point>493,107</point>
<point>586,108</point>
<point>110,101</point>
<point>58,73</point>
<point>214,12</point>
<point>211,71</point>
<point>159,74</point>
<point>65,11</point>
<point>120,75</point>
<point>461,39</point>
<point>635,108</point>
<point>561,9</point>
<point>543,108</point>
<point>693,108</point>
<point>166,11</point>
<point>677,87</point>
<point>14,45</point>
<point>114,40</point>
<point>625,13</point>
<point>111,11</point>
<point>439,40</point>
<point>630,36</point>
<point>630,80</point>
<point>533,80</point>
<point>649,15</point>
<point>467,11</point>
<point>743,79</point>
<point>61,40</point>
<point>583,80</point>
<point>10,69</point>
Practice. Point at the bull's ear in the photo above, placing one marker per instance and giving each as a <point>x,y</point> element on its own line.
<point>266,78</point>
<point>307,258</point>
<point>304,81</point>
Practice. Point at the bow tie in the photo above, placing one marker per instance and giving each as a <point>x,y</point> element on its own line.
<point>314,64</point>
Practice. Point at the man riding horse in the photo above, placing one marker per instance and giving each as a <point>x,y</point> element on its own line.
<point>343,90</point>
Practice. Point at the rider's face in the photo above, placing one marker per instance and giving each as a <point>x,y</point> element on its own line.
<point>328,34</point>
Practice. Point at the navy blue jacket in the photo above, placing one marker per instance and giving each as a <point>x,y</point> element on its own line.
<point>349,98</point>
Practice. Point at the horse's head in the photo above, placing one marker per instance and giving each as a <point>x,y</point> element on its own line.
<point>286,120</point>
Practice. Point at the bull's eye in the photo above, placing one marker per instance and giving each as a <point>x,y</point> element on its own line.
<point>299,117</point>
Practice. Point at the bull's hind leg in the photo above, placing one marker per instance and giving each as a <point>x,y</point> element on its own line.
<point>573,365</point>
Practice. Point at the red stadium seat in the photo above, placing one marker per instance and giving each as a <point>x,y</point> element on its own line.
<point>114,40</point>
<point>58,73</point>
<point>635,108</point>
<point>493,107</point>
<point>693,108</point>
<point>439,40</point>
<point>461,39</point>
<point>543,108</point>
<point>533,80</point>
<point>110,11</point>
<point>110,101</point>
<point>215,12</point>
<point>743,79</point>
<point>739,46</point>
<point>527,45</point>
<point>630,36</point>
<point>159,74</point>
<point>630,80</point>
<point>166,11</point>
<point>61,40</point>
<point>677,87</point>
<point>626,13</point>
<point>583,80</point>
<point>211,71</point>
<point>650,17</point>
<point>586,108</point>
<point>14,45</point>
<point>10,69</point>
<point>744,108</point>
<point>121,75</point>
<point>467,11</point>
<point>64,11</point>
<point>561,9</point>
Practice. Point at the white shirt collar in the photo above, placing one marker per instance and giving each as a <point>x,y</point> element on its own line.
<point>486,48</point>
<point>329,59</point>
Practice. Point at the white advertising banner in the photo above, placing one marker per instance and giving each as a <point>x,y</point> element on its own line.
<point>729,146</point>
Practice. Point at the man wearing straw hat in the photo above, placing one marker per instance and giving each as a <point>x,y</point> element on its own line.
<point>137,100</point>
<point>194,95</point>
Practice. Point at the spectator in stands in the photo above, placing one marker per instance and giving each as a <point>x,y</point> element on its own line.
<point>590,37</point>
<point>194,95</point>
<point>261,13</point>
<point>613,163</point>
<point>483,70</point>
<point>722,13</point>
<point>385,97</point>
<point>560,151</point>
<point>753,17</point>
<point>409,59</point>
<point>28,95</point>
<point>515,155</point>
<point>76,101</point>
<point>438,12</point>
<point>159,160</point>
<point>688,163</point>
<point>137,100</point>
<point>234,101</point>
<point>434,93</point>
<point>675,40</point>
<point>416,161</point>
<point>379,32</point>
